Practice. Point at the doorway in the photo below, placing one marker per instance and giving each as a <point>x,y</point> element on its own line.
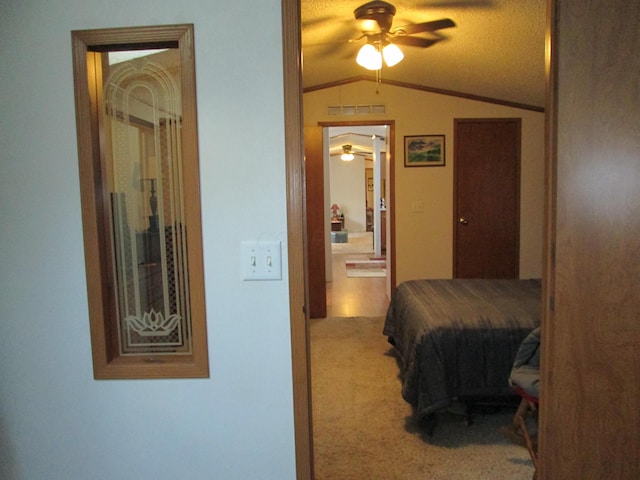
<point>356,261</point>
<point>354,212</point>
<point>293,132</point>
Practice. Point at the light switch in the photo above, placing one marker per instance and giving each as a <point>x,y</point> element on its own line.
<point>261,260</point>
<point>417,206</point>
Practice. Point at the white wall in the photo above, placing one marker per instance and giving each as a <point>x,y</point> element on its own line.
<point>348,191</point>
<point>56,422</point>
<point>424,240</point>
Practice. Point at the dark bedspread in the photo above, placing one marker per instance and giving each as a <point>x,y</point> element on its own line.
<point>459,338</point>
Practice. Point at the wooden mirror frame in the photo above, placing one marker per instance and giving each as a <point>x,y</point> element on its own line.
<point>108,362</point>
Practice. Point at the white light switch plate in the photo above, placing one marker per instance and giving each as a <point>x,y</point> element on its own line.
<point>261,260</point>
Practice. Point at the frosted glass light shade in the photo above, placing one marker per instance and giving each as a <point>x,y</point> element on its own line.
<point>347,154</point>
<point>369,57</point>
<point>392,55</point>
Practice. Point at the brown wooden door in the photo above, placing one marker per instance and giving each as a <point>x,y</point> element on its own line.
<point>590,404</point>
<point>487,198</point>
<point>314,200</point>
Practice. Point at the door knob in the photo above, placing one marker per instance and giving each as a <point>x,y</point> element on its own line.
<point>463,221</point>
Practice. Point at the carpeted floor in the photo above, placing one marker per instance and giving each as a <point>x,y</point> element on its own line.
<point>363,429</point>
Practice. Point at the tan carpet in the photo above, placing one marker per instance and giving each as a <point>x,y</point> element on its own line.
<point>363,429</point>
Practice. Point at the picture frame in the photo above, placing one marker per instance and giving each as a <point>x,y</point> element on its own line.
<point>424,151</point>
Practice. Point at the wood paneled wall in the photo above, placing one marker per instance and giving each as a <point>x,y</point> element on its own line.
<point>590,410</point>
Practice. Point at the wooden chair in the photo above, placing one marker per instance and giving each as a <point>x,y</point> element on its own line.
<point>525,381</point>
<point>528,407</point>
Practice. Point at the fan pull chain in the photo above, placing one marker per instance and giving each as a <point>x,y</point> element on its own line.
<point>379,71</point>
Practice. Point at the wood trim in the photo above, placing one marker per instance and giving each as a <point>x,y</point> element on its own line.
<point>103,39</point>
<point>589,419</point>
<point>391,207</point>
<point>314,215</point>
<point>294,155</point>
<point>106,362</point>
<point>424,88</point>
<point>545,422</point>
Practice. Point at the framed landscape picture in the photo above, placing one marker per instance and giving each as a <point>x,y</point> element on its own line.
<point>424,151</point>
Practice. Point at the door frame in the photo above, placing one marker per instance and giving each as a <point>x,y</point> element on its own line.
<point>318,249</point>
<point>296,237</point>
<point>390,158</point>
<point>315,216</point>
<point>294,155</point>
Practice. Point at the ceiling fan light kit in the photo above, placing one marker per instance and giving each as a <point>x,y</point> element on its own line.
<point>369,57</point>
<point>392,55</point>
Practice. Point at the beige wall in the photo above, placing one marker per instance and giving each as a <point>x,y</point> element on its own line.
<point>424,240</point>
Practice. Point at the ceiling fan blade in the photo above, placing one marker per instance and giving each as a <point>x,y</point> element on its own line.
<point>427,26</point>
<point>456,4</point>
<point>326,45</point>
<point>329,49</point>
<point>313,22</point>
<point>416,41</point>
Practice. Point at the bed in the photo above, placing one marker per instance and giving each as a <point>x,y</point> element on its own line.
<point>457,339</point>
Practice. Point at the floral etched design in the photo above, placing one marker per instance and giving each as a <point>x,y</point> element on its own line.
<point>153,323</point>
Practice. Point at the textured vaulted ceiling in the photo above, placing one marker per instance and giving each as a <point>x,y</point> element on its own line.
<point>495,51</point>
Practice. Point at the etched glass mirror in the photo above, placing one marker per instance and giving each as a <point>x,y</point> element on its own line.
<point>137,138</point>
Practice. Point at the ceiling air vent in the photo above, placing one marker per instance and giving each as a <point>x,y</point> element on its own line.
<point>356,110</point>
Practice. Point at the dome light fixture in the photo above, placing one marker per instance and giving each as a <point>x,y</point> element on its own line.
<point>347,154</point>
